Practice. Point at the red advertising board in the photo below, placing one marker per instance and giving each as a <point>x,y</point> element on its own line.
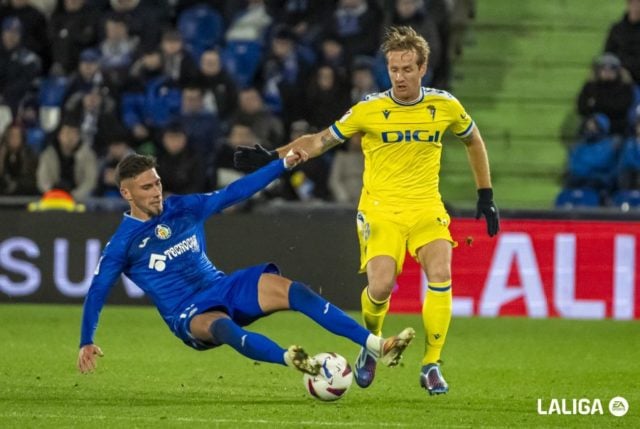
<point>537,268</point>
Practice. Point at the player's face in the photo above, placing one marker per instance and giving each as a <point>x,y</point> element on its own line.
<point>144,193</point>
<point>405,74</point>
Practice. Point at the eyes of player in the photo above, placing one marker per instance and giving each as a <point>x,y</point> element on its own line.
<point>151,185</point>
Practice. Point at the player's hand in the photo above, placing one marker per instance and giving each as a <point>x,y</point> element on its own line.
<point>295,157</point>
<point>487,208</point>
<point>87,358</point>
<point>248,159</point>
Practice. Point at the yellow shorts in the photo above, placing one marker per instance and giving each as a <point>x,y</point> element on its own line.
<point>392,233</point>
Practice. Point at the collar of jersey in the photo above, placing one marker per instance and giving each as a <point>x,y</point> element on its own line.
<point>130,216</point>
<point>406,103</point>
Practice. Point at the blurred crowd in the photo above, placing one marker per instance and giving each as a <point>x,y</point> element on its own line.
<point>604,162</point>
<point>83,83</point>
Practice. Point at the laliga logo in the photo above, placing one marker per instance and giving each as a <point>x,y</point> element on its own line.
<point>618,407</point>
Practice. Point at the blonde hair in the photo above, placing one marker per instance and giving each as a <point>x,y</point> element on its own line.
<point>405,38</point>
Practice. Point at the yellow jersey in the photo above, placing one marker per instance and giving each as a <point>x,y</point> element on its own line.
<point>402,145</point>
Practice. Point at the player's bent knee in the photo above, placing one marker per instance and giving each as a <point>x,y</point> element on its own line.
<point>201,324</point>
<point>273,292</point>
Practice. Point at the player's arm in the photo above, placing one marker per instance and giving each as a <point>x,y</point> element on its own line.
<point>106,274</point>
<point>479,162</point>
<point>313,144</point>
<point>249,158</point>
<point>248,185</point>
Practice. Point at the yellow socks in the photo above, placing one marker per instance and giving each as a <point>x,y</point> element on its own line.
<point>373,312</point>
<point>436,315</point>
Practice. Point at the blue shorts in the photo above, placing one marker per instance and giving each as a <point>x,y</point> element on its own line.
<point>235,294</point>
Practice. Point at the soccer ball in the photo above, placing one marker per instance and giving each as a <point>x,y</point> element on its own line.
<point>334,379</point>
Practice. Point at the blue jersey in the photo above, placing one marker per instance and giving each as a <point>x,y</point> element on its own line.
<point>166,255</point>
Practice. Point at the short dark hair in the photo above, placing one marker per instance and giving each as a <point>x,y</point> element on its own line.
<point>133,165</point>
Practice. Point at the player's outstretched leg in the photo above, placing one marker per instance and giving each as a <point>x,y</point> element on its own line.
<point>258,347</point>
<point>432,381</point>
<point>330,317</point>
<point>297,358</point>
<point>327,315</point>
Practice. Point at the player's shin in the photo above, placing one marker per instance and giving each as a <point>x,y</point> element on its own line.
<point>373,312</point>
<point>252,345</point>
<point>436,316</point>
<point>327,315</point>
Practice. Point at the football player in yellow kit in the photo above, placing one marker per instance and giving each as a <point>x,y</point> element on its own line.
<point>400,206</point>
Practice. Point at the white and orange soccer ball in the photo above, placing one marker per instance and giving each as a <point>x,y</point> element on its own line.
<point>334,379</point>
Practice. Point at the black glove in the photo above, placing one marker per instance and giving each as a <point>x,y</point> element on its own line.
<point>247,158</point>
<point>487,207</point>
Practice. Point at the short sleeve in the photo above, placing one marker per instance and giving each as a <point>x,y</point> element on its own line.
<point>462,124</point>
<point>349,124</point>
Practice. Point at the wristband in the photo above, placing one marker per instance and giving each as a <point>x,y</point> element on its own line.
<point>485,194</point>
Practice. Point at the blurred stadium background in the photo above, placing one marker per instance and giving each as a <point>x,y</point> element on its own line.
<point>522,68</point>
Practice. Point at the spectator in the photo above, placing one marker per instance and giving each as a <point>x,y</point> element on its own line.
<point>88,74</point>
<point>28,117</point>
<point>332,53</point>
<point>357,23</point>
<point>179,166</point>
<point>239,135</point>
<point>177,64</point>
<point>347,168</point>
<point>18,65</point>
<point>629,166</point>
<point>73,27</point>
<point>462,13</point>
<point>592,161</point>
<point>282,75</point>
<point>17,164</point>
<point>310,180</point>
<point>98,117</point>
<point>117,150</point>
<point>144,20</point>
<point>201,127</point>
<point>609,91</point>
<point>624,39</point>
<point>251,23</point>
<point>220,91</point>
<point>327,97</point>
<point>68,164</point>
<point>264,124</point>
<point>34,28</point>
<point>117,50</point>
<point>413,13</point>
<point>362,81</point>
<point>149,101</point>
<point>305,18</point>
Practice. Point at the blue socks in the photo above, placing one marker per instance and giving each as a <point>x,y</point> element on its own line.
<point>301,299</point>
<point>327,315</point>
<point>252,345</point>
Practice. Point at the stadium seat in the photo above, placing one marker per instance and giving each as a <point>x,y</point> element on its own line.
<point>241,60</point>
<point>202,28</point>
<point>575,198</point>
<point>627,199</point>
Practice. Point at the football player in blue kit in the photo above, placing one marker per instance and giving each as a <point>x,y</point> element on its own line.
<point>160,245</point>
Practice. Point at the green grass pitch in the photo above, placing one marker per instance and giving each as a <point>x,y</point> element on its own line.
<point>497,369</point>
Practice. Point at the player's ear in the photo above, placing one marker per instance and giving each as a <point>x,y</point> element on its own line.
<point>423,69</point>
<point>124,191</point>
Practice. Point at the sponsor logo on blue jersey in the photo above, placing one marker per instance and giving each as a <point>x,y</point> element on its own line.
<point>158,261</point>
